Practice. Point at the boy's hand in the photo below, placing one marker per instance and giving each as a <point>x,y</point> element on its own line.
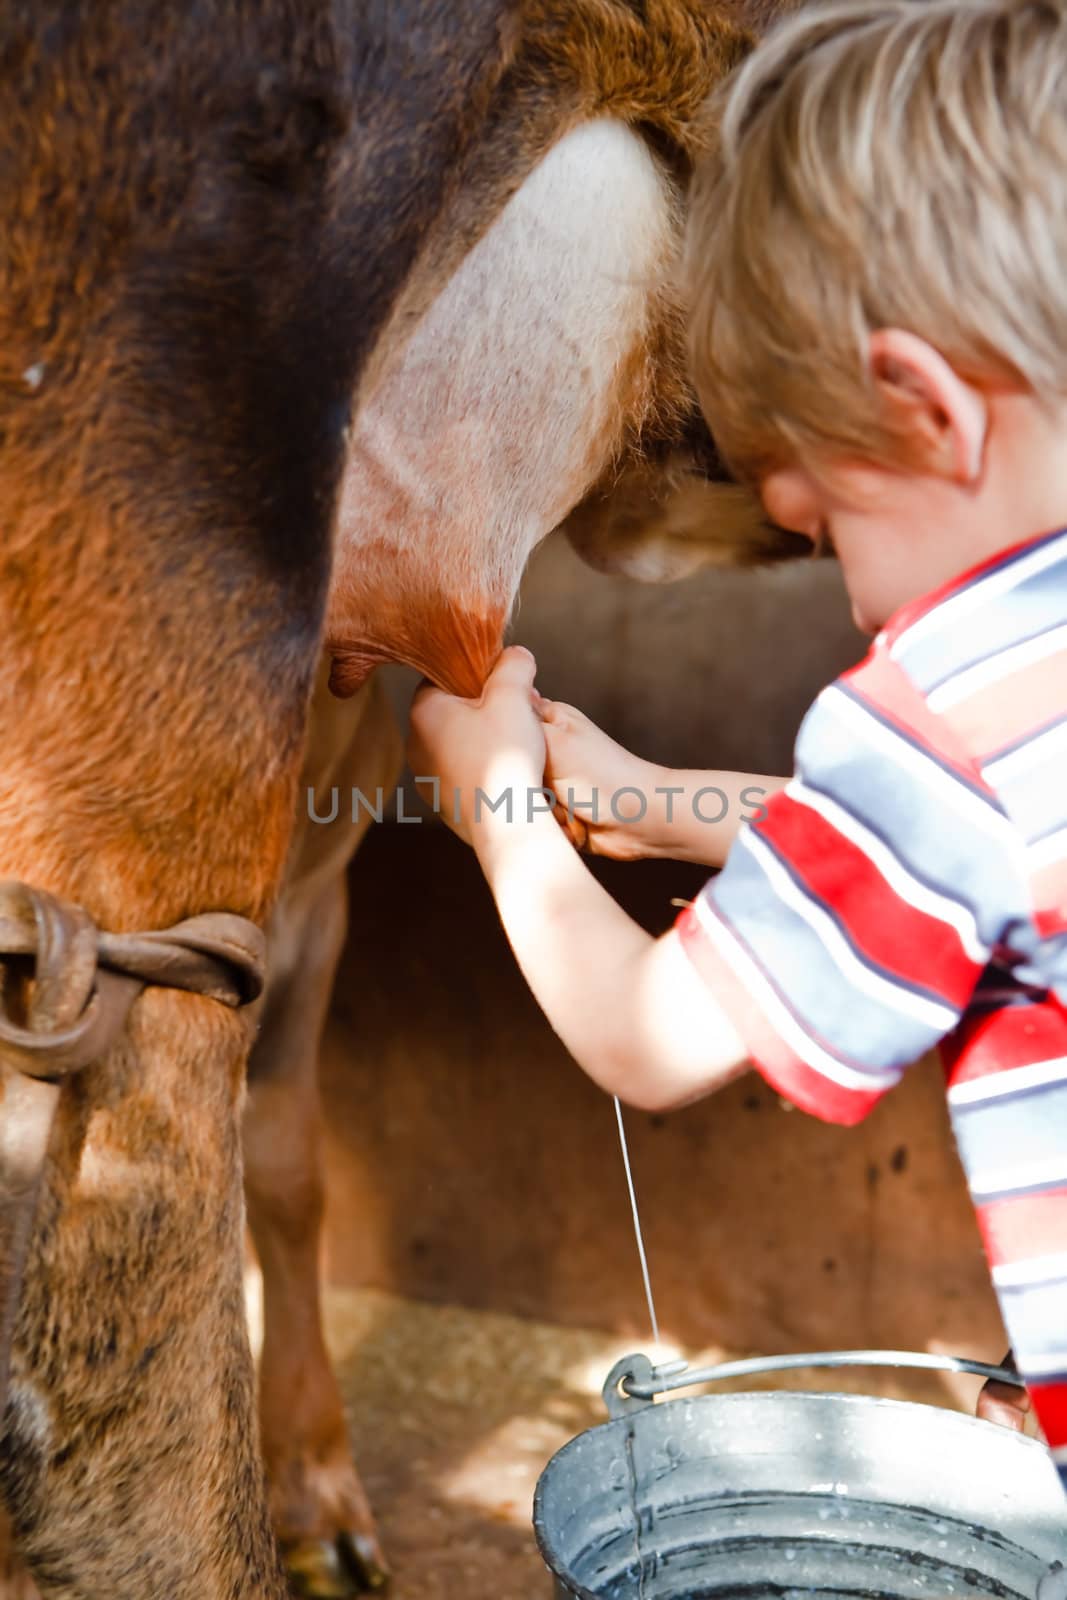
<point>1003,1404</point>
<point>494,743</point>
<point>586,767</point>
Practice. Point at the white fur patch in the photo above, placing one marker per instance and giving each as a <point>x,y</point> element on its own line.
<point>506,405</point>
<point>31,1418</point>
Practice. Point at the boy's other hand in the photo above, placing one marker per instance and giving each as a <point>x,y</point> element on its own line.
<point>494,743</point>
<point>1002,1403</point>
<point>585,768</point>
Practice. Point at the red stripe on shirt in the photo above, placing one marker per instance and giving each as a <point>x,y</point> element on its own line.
<point>1049,889</point>
<point>920,950</point>
<point>1024,1227</point>
<point>783,1069</point>
<point>993,1043</point>
<point>889,691</point>
<point>1013,708</point>
<point>1050,1404</point>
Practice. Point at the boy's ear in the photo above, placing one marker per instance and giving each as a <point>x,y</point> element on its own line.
<point>947,415</point>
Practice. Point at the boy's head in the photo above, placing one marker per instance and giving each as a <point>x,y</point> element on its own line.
<point>877,251</point>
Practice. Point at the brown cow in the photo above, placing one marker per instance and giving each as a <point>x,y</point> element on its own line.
<point>225,233</point>
<point>206,214</point>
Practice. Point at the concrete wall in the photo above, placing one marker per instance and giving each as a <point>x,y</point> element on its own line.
<point>471,1161</point>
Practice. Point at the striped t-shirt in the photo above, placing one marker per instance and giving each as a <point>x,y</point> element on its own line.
<point>909,889</point>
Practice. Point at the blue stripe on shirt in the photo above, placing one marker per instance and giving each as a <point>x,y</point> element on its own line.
<point>915,812</point>
<point>991,1133</point>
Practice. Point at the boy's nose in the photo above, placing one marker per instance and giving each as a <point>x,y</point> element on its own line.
<point>789,499</point>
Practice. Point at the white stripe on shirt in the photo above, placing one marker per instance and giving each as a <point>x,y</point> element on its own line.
<point>1013,1080</point>
<point>1021,1274</point>
<point>1038,747</point>
<point>1049,1365</point>
<point>1043,852</point>
<point>1014,1179</point>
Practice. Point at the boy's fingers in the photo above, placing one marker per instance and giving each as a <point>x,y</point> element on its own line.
<point>1006,1406</point>
<point>560,715</point>
<point>516,669</point>
<point>573,827</point>
<point>425,694</point>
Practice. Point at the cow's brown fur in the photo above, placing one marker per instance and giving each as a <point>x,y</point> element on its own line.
<point>205,212</point>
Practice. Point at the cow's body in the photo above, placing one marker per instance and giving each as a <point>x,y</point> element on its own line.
<point>193,272</point>
<point>224,236</point>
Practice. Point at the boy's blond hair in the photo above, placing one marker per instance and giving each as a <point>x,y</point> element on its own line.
<point>879,163</point>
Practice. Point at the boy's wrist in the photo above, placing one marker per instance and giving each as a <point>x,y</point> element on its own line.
<point>633,812</point>
<point>502,836</point>
<point>658,827</point>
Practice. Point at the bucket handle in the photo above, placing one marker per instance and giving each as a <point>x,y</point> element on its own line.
<point>634,1383</point>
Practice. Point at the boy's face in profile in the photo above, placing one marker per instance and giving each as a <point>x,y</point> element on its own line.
<point>870,515</point>
<point>987,471</point>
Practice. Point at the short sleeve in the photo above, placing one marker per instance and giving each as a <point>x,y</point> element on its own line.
<point>852,922</point>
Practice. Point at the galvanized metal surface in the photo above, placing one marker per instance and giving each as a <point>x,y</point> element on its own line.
<point>796,1496</point>
<point>635,1379</point>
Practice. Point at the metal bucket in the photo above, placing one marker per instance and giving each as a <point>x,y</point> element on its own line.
<point>797,1495</point>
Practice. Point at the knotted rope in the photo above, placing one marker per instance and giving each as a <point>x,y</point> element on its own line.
<point>84,982</point>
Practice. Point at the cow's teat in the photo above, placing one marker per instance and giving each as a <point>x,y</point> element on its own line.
<point>454,648</point>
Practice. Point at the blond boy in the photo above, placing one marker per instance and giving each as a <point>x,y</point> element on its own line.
<point>878,266</point>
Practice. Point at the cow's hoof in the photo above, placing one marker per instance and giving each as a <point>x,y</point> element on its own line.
<point>338,1569</point>
<point>364,1557</point>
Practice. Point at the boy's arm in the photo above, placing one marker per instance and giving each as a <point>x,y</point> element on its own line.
<point>696,816</point>
<point>612,803</point>
<point>632,1010</point>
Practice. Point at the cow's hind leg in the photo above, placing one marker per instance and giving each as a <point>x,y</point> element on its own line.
<point>320,1511</point>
